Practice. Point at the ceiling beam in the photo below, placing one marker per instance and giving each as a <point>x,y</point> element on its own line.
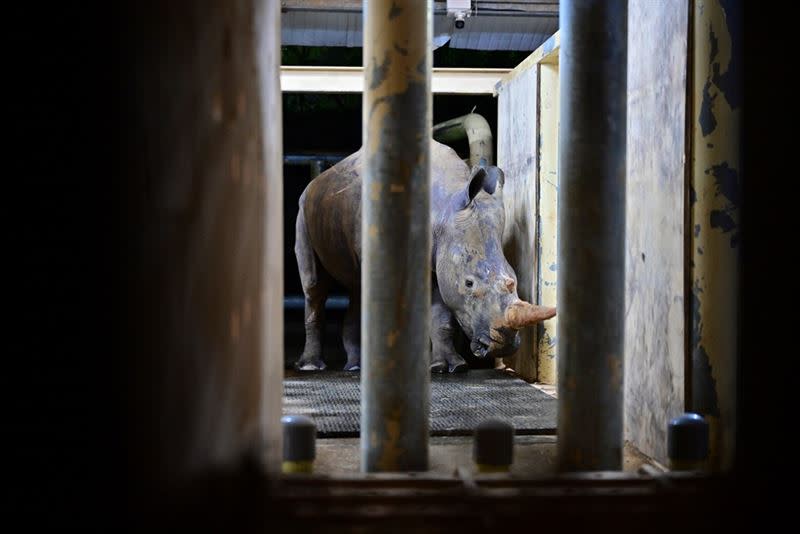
<point>351,80</point>
<point>535,8</point>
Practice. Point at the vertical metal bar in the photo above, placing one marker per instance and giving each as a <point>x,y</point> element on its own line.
<point>201,211</point>
<point>714,204</point>
<point>396,235</point>
<point>591,222</point>
<point>269,177</point>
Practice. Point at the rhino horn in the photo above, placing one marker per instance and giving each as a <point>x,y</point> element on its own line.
<point>521,313</point>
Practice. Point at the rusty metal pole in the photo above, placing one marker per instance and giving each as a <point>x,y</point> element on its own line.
<point>396,236</point>
<point>201,215</point>
<point>591,221</point>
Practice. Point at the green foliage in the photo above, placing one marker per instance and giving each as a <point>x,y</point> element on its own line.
<point>335,56</point>
<point>442,57</point>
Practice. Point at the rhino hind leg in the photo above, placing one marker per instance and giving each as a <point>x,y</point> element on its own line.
<point>351,334</point>
<point>316,283</point>
<point>444,356</point>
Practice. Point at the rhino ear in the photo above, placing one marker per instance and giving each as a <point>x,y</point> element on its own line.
<point>489,180</point>
<point>476,182</point>
<point>497,176</point>
<point>482,178</point>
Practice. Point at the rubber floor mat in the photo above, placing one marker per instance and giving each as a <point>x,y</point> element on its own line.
<point>458,402</point>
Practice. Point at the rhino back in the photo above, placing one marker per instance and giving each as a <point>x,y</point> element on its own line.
<point>449,175</point>
<point>332,207</point>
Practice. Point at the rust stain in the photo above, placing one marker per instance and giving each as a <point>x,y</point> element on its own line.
<point>241,104</point>
<point>572,384</point>
<point>236,167</point>
<point>577,457</point>
<point>247,311</point>
<point>391,338</point>
<point>397,188</point>
<point>235,325</point>
<point>375,191</point>
<point>246,172</point>
<point>216,108</point>
<point>391,452</point>
<point>373,231</point>
<point>615,366</point>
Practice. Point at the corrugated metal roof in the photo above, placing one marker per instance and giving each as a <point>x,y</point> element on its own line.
<point>481,32</point>
<point>503,33</point>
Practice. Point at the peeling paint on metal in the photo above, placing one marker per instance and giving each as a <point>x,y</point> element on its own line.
<point>379,72</point>
<point>707,120</point>
<point>727,181</point>
<point>715,212</point>
<point>720,219</point>
<point>395,11</point>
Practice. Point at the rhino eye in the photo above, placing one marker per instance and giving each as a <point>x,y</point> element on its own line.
<point>469,283</point>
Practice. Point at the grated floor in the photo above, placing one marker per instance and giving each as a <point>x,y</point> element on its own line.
<point>458,402</point>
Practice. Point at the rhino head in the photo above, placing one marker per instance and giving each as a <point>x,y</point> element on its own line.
<point>473,276</point>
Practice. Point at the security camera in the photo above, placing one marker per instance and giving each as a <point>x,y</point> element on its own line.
<point>459,10</point>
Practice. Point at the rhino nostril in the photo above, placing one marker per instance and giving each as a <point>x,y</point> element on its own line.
<point>511,286</point>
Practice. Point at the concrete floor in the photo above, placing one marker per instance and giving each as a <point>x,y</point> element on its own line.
<point>534,456</point>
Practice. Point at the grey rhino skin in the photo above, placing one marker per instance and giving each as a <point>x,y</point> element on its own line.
<point>473,285</point>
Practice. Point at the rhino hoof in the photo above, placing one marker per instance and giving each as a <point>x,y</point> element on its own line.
<point>314,365</point>
<point>438,367</point>
<point>459,368</point>
<point>352,367</point>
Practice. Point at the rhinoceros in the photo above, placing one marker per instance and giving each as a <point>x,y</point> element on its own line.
<point>474,287</point>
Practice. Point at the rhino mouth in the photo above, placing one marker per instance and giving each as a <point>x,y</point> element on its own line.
<point>480,347</point>
<point>485,345</point>
<point>494,344</point>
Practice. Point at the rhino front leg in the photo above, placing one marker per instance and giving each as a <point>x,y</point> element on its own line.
<point>443,354</point>
<point>316,283</point>
<point>351,333</point>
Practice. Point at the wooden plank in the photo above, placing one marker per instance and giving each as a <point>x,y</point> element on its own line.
<point>303,79</point>
<point>547,218</point>
<point>546,53</point>
<point>654,307</point>
<point>516,155</point>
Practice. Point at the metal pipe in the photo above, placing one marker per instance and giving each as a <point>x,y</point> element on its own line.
<point>298,302</point>
<point>475,128</point>
<point>309,159</point>
<point>202,293</point>
<point>495,9</point>
<point>316,168</point>
<point>396,236</point>
<point>715,211</point>
<point>591,222</point>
